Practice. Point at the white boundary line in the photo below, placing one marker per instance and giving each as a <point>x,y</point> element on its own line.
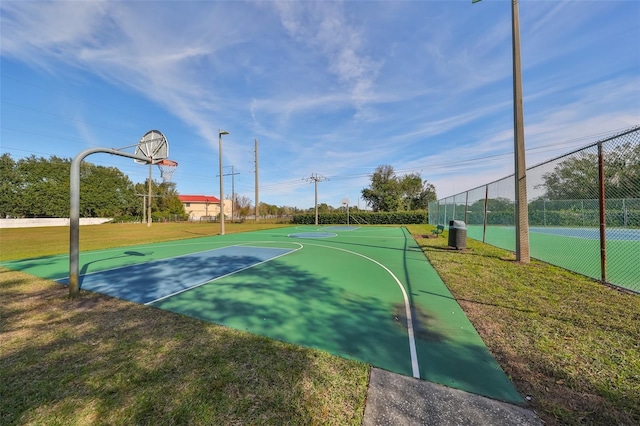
<point>144,263</point>
<point>226,275</point>
<point>412,342</point>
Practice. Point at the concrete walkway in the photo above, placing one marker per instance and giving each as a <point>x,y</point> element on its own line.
<point>397,400</point>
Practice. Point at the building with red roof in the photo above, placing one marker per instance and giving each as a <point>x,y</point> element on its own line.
<point>200,207</point>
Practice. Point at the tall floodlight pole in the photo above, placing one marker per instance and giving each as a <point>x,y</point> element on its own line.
<point>220,133</point>
<point>522,208</point>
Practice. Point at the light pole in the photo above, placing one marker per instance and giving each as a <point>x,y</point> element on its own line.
<point>522,209</point>
<point>220,133</point>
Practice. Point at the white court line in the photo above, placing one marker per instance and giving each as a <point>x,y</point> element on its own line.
<point>226,275</point>
<point>412,342</point>
<point>149,262</point>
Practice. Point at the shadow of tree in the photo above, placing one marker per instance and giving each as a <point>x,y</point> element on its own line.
<point>291,304</point>
<point>101,360</point>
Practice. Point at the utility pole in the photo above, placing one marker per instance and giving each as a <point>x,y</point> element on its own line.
<point>233,190</point>
<point>257,200</point>
<point>316,178</point>
<point>144,205</point>
<point>149,214</point>
<point>220,133</point>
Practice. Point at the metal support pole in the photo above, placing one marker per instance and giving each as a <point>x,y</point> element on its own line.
<point>603,215</point>
<point>466,208</point>
<point>486,205</point>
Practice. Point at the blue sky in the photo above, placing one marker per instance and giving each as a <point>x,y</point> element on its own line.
<point>328,88</point>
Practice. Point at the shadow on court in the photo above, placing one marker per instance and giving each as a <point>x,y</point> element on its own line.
<point>290,304</point>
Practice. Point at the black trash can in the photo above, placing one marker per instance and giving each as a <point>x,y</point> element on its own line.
<point>457,234</point>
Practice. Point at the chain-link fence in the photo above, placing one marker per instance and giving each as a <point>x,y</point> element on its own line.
<point>584,211</point>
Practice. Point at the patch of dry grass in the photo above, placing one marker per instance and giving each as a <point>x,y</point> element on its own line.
<point>571,344</point>
<point>98,360</point>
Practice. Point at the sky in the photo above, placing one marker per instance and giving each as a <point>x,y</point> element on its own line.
<point>329,89</point>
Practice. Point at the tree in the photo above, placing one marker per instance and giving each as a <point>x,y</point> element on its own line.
<point>242,206</point>
<point>43,189</point>
<point>9,183</point>
<point>576,177</point>
<point>105,192</point>
<point>416,194</point>
<point>165,204</point>
<point>39,187</point>
<point>384,192</point>
<point>389,193</point>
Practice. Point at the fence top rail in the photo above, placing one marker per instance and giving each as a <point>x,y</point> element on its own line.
<point>590,145</point>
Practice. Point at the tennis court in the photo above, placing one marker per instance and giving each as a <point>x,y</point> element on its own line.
<point>576,249</point>
<point>366,293</point>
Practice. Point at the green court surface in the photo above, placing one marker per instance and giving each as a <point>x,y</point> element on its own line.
<point>346,290</point>
<point>576,249</point>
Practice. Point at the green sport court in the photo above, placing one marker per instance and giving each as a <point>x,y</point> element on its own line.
<point>366,293</point>
<point>576,249</point>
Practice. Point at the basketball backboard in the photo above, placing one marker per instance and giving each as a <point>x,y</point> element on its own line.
<point>154,146</point>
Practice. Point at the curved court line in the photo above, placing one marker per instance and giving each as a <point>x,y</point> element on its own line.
<point>223,276</point>
<point>412,342</point>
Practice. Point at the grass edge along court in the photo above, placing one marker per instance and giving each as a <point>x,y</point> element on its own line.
<point>595,398</point>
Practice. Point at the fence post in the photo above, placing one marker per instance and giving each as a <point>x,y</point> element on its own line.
<point>484,222</point>
<point>603,215</point>
<point>445,212</point>
<point>466,208</point>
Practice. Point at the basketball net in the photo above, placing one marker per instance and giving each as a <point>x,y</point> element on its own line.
<point>167,167</point>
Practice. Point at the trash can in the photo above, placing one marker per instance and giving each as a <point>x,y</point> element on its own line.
<point>457,234</point>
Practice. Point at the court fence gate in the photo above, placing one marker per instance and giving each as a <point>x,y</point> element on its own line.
<point>584,211</point>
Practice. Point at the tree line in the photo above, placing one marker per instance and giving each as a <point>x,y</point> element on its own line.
<point>39,187</point>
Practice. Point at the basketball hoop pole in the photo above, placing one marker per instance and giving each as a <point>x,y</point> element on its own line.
<point>151,154</point>
<point>74,212</point>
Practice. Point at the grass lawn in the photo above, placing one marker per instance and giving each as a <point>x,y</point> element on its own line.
<point>98,360</point>
<point>570,344</point>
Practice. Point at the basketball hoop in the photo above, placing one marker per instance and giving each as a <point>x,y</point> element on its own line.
<point>167,167</point>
